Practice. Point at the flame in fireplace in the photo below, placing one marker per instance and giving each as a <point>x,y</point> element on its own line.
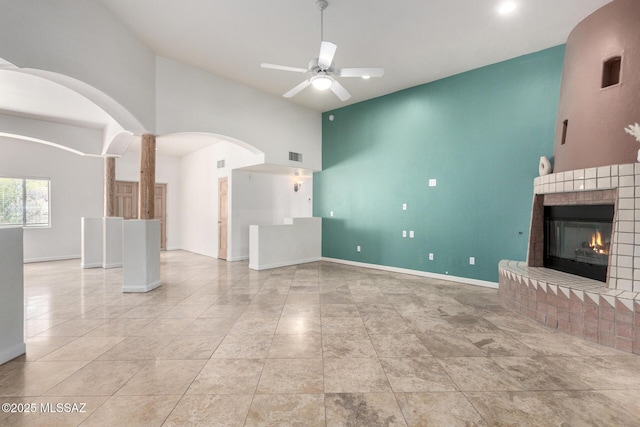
<point>597,245</point>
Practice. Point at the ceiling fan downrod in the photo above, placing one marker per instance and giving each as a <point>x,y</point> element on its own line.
<point>322,5</point>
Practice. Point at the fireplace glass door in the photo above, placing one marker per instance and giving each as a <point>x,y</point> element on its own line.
<point>577,239</point>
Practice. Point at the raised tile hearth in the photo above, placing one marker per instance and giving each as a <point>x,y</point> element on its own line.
<point>582,307</point>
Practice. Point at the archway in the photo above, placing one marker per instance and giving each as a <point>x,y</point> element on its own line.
<point>57,110</point>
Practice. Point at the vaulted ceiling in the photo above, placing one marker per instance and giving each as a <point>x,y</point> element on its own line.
<point>416,41</point>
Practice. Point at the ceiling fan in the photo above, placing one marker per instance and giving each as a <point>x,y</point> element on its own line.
<point>322,69</point>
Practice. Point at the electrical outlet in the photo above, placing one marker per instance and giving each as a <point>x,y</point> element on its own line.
<point>404,206</point>
<point>404,233</point>
<point>331,213</point>
<point>433,182</point>
<point>472,260</point>
<point>358,248</point>
<point>430,257</point>
<point>411,234</point>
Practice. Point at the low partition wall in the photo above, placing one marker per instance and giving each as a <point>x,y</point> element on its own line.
<point>582,307</point>
<point>297,241</point>
<point>11,294</point>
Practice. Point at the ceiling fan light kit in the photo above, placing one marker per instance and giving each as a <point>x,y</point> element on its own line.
<point>322,70</point>
<point>322,82</point>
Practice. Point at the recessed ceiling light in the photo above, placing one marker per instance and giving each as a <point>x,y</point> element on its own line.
<point>366,77</point>
<point>506,7</point>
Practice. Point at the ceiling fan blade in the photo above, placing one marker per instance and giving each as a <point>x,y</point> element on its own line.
<point>361,72</point>
<point>339,90</point>
<point>327,50</point>
<point>297,89</point>
<point>283,68</point>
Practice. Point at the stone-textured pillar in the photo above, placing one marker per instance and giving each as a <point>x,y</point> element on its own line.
<point>146,192</point>
<point>109,186</point>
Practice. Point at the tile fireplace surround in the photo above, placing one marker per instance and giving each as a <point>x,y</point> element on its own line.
<point>609,313</point>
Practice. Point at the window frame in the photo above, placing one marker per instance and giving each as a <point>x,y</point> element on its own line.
<point>24,223</point>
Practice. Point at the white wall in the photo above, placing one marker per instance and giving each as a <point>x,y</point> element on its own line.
<point>168,171</point>
<point>82,40</point>
<point>76,192</point>
<point>191,100</point>
<point>265,199</point>
<point>74,138</point>
<point>200,194</point>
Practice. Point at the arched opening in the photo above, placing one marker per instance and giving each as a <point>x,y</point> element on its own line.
<point>63,112</point>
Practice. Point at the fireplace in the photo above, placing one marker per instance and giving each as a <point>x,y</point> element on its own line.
<point>577,239</point>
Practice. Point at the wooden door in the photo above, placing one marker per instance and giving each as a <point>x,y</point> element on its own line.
<point>223,214</point>
<point>160,212</point>
<point>126,205</point>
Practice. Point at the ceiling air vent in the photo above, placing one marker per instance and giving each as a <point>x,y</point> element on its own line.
<point>295,157</point>
<point>220,164</point>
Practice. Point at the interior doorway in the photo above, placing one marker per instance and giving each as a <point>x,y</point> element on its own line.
<point>223,214</point>
<point>126,205</point>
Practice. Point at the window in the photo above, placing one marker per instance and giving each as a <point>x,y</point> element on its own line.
<point>24,202</point>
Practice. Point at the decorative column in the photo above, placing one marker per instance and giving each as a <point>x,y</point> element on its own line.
<point>142,236</point>
<point>112,225</point>
<point>146,193</point>
<point>109,186</point>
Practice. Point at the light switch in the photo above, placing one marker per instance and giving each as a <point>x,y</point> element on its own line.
<point>358,248</point>
<point>404,233</point>
<point>411,234</point>
<point>472,260</point>
<point>430,257</point>
<point>331,213</point>
<point>404,206</point>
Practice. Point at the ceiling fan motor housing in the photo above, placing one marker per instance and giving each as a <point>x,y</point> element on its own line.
<point>315,68</point>
<point>322,4</point>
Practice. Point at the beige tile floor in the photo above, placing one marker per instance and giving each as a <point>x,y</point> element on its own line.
<point>320,344</point>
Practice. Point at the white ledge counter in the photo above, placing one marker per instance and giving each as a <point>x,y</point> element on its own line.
<point>297,241</point>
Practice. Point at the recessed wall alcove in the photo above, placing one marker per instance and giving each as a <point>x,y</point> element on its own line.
<point>611,71</point>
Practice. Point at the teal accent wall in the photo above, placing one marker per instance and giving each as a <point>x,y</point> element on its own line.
<point>480,134</point>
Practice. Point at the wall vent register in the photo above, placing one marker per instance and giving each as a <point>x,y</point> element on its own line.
<point>295,157</point>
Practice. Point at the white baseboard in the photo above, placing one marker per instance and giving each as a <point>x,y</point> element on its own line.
<point>91,265</point>
<point>238,258</point>
<point>285,264</point>
<point>53,258</point>
<point>115,265</point>
<point>12,352</point>
<point>141,288</point>
<point>465,280</point>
